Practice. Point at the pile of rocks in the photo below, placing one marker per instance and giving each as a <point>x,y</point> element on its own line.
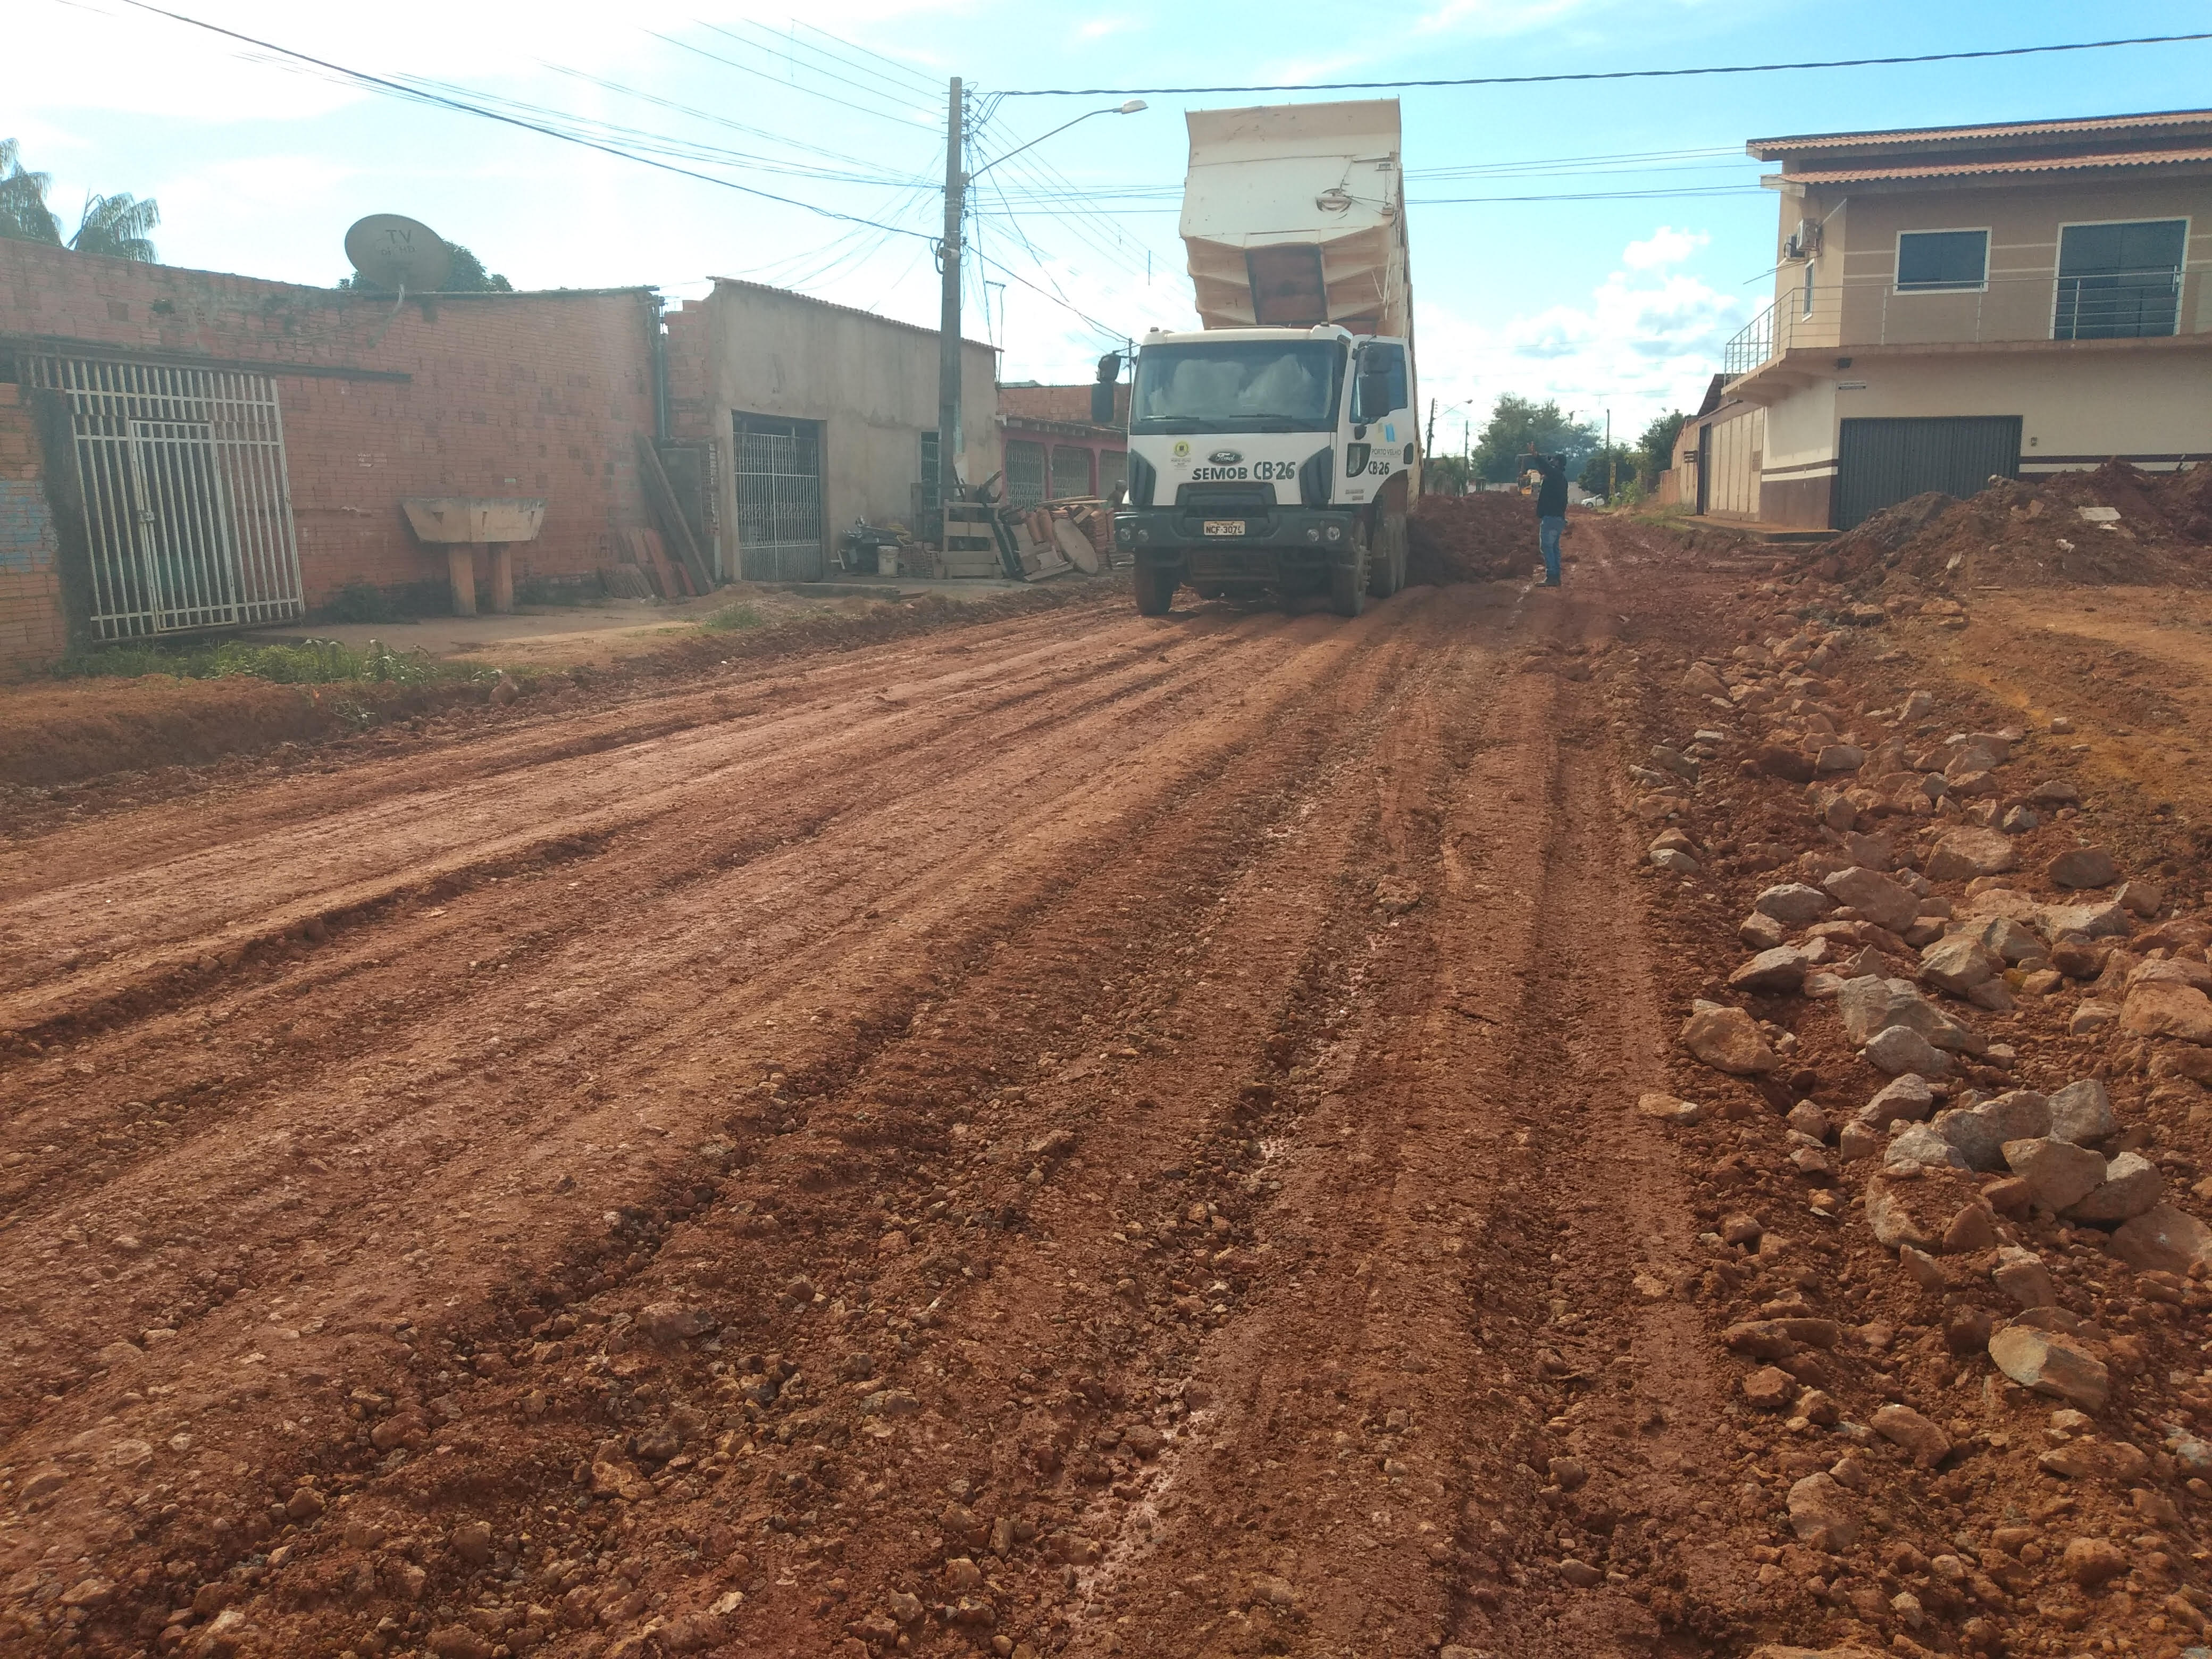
<point>1938,941</point>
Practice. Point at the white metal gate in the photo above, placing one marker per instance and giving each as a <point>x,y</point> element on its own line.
<point>187,510</point>
<point>779,479</point>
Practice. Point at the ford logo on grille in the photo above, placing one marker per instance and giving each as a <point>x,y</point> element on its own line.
<point>1226,457</point>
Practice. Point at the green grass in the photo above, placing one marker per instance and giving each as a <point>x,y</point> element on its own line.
<point>733,618</point>
<point>312,662</point>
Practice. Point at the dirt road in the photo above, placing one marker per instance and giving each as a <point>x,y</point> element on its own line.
<point>1084,1133</point>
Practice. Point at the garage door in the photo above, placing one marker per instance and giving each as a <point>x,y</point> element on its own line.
<point>1882,463</point>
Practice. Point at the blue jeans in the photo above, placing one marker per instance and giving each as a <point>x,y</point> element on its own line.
<point>1548,532</point>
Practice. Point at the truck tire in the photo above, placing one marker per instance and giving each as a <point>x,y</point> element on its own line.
<point>1347,581</point>
<point>1386,562</point>
<point>1156,589</point>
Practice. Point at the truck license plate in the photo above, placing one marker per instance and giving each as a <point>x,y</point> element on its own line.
<point>1225,526</point>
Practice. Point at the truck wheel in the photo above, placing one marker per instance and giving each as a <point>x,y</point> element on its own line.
<point>1156,589</point>
<point>1387,561</point>
<point>1347,583</point>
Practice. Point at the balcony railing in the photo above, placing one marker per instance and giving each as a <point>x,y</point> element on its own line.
<point>2108,306</point>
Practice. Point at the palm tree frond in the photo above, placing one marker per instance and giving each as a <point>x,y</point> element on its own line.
<point>117,226</point>
<point>23,213</point>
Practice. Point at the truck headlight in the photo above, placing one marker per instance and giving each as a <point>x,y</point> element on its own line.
<point>1336,533</point>
<point>1312,534</point>
<point>1121,533</point>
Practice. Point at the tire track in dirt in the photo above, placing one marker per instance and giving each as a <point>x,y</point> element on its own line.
<point>461,1180</point>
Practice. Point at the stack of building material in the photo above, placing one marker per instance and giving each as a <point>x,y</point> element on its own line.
<point>1036,545</point>
<point>970,548</point>
<point>643,569</point>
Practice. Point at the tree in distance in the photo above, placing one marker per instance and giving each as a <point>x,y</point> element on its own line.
<point>115,226</point>
<point>467,276</point>
<point>1517,421</point>
<point>1608,470</point>
<point>1654,450</point>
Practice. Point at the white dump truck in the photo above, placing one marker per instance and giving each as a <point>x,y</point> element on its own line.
<point>1276,450</point>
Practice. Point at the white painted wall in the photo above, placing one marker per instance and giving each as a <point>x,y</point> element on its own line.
<point>872,382</point>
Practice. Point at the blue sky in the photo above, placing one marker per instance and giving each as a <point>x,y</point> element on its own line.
<point>1620,303</point>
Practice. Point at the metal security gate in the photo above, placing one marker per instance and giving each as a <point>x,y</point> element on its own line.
<point>187,509</point>
<point>779,478</point>
<point>1881,463</point>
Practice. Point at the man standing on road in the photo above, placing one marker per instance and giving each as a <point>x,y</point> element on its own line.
<point>1551,507</point>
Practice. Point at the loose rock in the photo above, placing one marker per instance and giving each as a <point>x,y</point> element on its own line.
<point>1794,904</point>
<point>1822,1513</point>
<point>1728,1040</point>
<point>1959,964</point>
<point>1882,901</point>
<point>1965,853</point>
<point>2051,1364</point>
<point>1897,1050</point>
<point>2082,866</point>
<point>2132,1185</point>
<point>2163,1239</point>
<point>2082,1111</point>
<point>2021,1274</point>
<point>1907,1097</point>
<point>2170,1009</point>
<point>2059,1174</point>
<point>1902,1426</point>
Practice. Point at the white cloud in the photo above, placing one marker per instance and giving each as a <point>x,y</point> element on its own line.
<point>1097,28</point>
<point>1648,340</point>
<point>1665,246</point>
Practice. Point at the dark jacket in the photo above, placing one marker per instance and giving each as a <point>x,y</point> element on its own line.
<point>1552,498</point>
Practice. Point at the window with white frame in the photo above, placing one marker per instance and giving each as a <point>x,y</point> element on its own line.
<point>1942,261</point>
<point>1808,288</point>
<point>2119,281</point>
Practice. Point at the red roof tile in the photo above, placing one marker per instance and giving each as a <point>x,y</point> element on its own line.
<point>1933,170</point>
<point>1771,149</point>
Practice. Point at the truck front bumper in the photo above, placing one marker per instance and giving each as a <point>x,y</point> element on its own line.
<point>1163,535</point>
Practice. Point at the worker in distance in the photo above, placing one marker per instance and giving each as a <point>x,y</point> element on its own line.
<point>1550,473</point>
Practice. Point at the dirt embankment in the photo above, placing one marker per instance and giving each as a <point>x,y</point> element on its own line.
<point>2116,526</point>
<point>59,732</point>
<point>1471,538</point>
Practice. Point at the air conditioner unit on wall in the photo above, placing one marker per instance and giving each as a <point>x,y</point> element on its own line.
<point>1804,242</point>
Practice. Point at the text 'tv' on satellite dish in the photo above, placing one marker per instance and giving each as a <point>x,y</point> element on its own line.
<point>395,252</point>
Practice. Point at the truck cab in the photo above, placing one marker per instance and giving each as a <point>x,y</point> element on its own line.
<point>1269,460</point>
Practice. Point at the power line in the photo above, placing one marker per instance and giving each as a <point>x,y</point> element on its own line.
<point>1611,74</point>
<point>400,89</point>
<point>933,84</point>
<point>812,69</point>
<point>1459,201</point>
<point>747,69</point>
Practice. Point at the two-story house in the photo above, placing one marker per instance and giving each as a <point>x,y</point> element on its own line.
<point>1951,303</point>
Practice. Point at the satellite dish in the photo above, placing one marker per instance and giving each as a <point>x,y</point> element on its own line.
<point>399,254</point>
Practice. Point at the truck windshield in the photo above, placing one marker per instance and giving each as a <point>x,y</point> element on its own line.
<point>1239,385</point>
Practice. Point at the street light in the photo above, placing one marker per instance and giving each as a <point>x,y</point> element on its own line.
<point>1129,108</point>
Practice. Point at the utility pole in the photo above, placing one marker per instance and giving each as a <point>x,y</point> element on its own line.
<point>1612,463</point>
<point>1429,444</point>
<point>948,343</point>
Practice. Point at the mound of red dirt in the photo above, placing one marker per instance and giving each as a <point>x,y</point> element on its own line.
<point>1471,538</point>
<point>2116,526</point>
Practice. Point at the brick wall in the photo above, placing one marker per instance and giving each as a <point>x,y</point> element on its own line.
<point>1058,403</point>
<point>31,630</point>
<point>527,394</point>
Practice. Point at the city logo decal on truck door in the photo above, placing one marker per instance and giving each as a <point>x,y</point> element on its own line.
<point>1181,451</point>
